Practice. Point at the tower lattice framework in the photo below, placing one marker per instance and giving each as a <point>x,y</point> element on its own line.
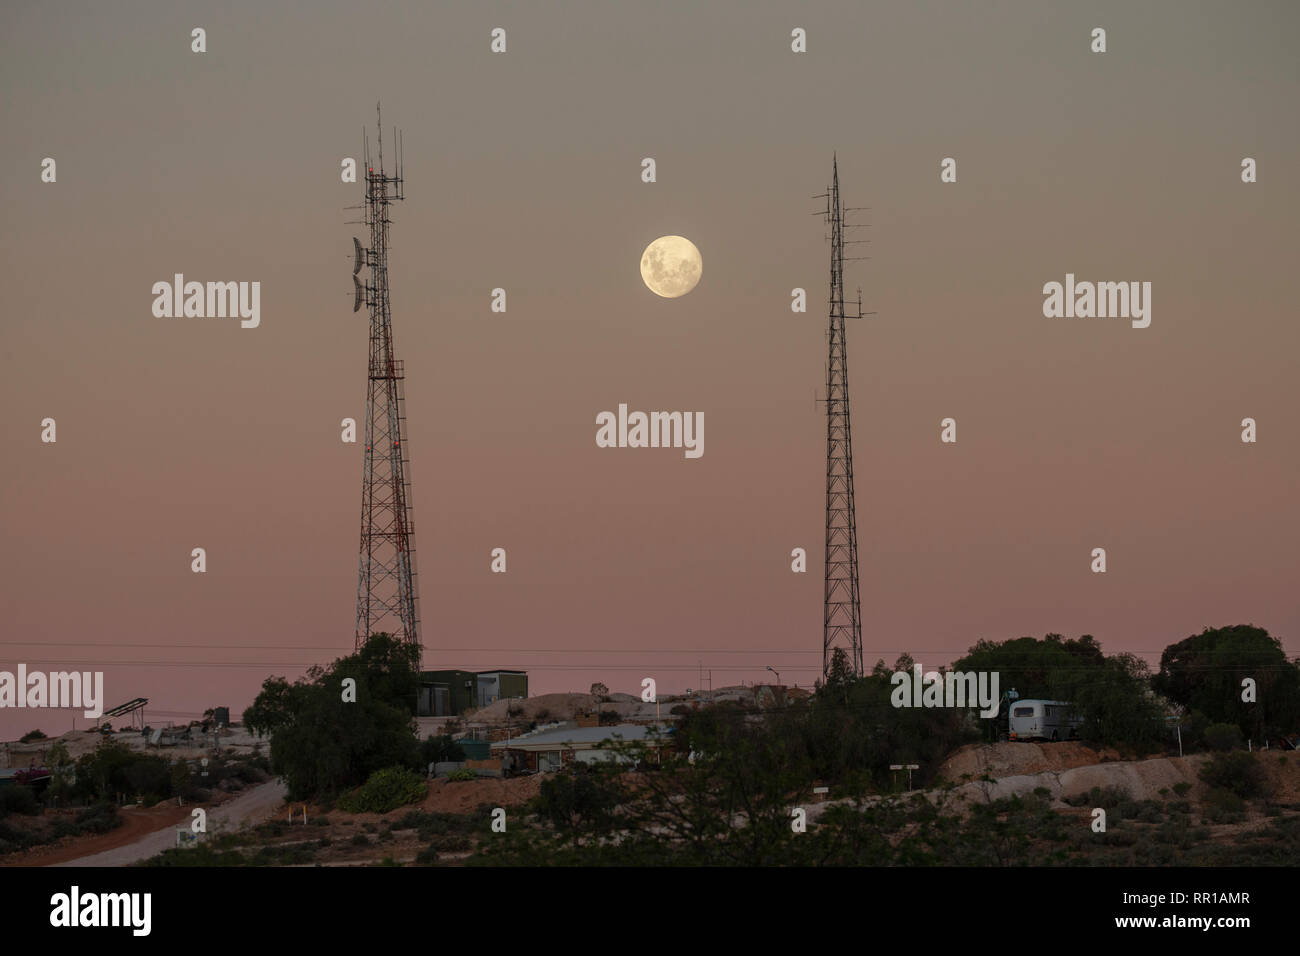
<point>386,580</point>
<point>843,606</point>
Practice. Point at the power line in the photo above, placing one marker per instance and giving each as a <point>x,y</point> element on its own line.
<point>481,648</point>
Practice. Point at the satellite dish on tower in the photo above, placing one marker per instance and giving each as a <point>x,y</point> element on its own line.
<point>360,293</point>
<point>358,257</point>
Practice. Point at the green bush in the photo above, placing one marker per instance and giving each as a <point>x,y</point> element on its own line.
<point>30,736</point>
<point>1237,772</point>
<point>386,790</point>
<point>462,775</point>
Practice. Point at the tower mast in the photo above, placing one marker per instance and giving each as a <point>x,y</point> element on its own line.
<point>842,625</point>
<point>386,579</point>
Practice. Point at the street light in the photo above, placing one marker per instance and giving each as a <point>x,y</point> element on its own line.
<point>777,673</point>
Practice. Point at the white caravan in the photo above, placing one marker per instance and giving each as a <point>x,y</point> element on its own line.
<point>1042,720</point>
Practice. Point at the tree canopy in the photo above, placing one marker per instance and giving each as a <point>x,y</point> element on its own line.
<point>322,743</point>
<point>1204,673</point>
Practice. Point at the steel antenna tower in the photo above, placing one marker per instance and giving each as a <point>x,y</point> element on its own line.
<point>842,626</point>
<point>386,581</point>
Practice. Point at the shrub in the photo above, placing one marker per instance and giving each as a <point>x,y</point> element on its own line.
<point>98,818</point>
<point>18,799</point>
<point>30,736</point>
<point>462,775</point>
<point>411,820</point>
<point>1224,806</point>
<point>386,790</point>
<point>201,855</point>
<point>360,839</point>
<point>1222,736</point>
<point>272,828</point>
<point>1108,798</point>
<point>427,857</point>
<point>1182,788</point>
<point>1237,772</point>
<point>13,839</point>
<point>451,843</point>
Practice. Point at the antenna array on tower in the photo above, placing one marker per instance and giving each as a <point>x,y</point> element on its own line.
<point>386,580</point>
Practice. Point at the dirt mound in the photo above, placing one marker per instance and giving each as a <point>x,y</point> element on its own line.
<point>465,796</point>
<point>1007,759</point>
<point>545,707</point>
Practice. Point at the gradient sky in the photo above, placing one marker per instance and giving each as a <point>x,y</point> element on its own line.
<point>523,172</point>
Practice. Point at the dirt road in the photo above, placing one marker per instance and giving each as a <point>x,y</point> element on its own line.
<point>247,809</point>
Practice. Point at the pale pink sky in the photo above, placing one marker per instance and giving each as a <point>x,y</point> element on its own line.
<point>523,173</point>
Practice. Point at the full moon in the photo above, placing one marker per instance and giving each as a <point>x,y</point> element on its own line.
<point>671,266</point>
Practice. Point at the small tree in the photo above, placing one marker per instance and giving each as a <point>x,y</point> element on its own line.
<point>1222,736</point>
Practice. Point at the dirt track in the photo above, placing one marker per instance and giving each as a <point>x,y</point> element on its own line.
<point>137,823</point>
<point>250,807</point>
